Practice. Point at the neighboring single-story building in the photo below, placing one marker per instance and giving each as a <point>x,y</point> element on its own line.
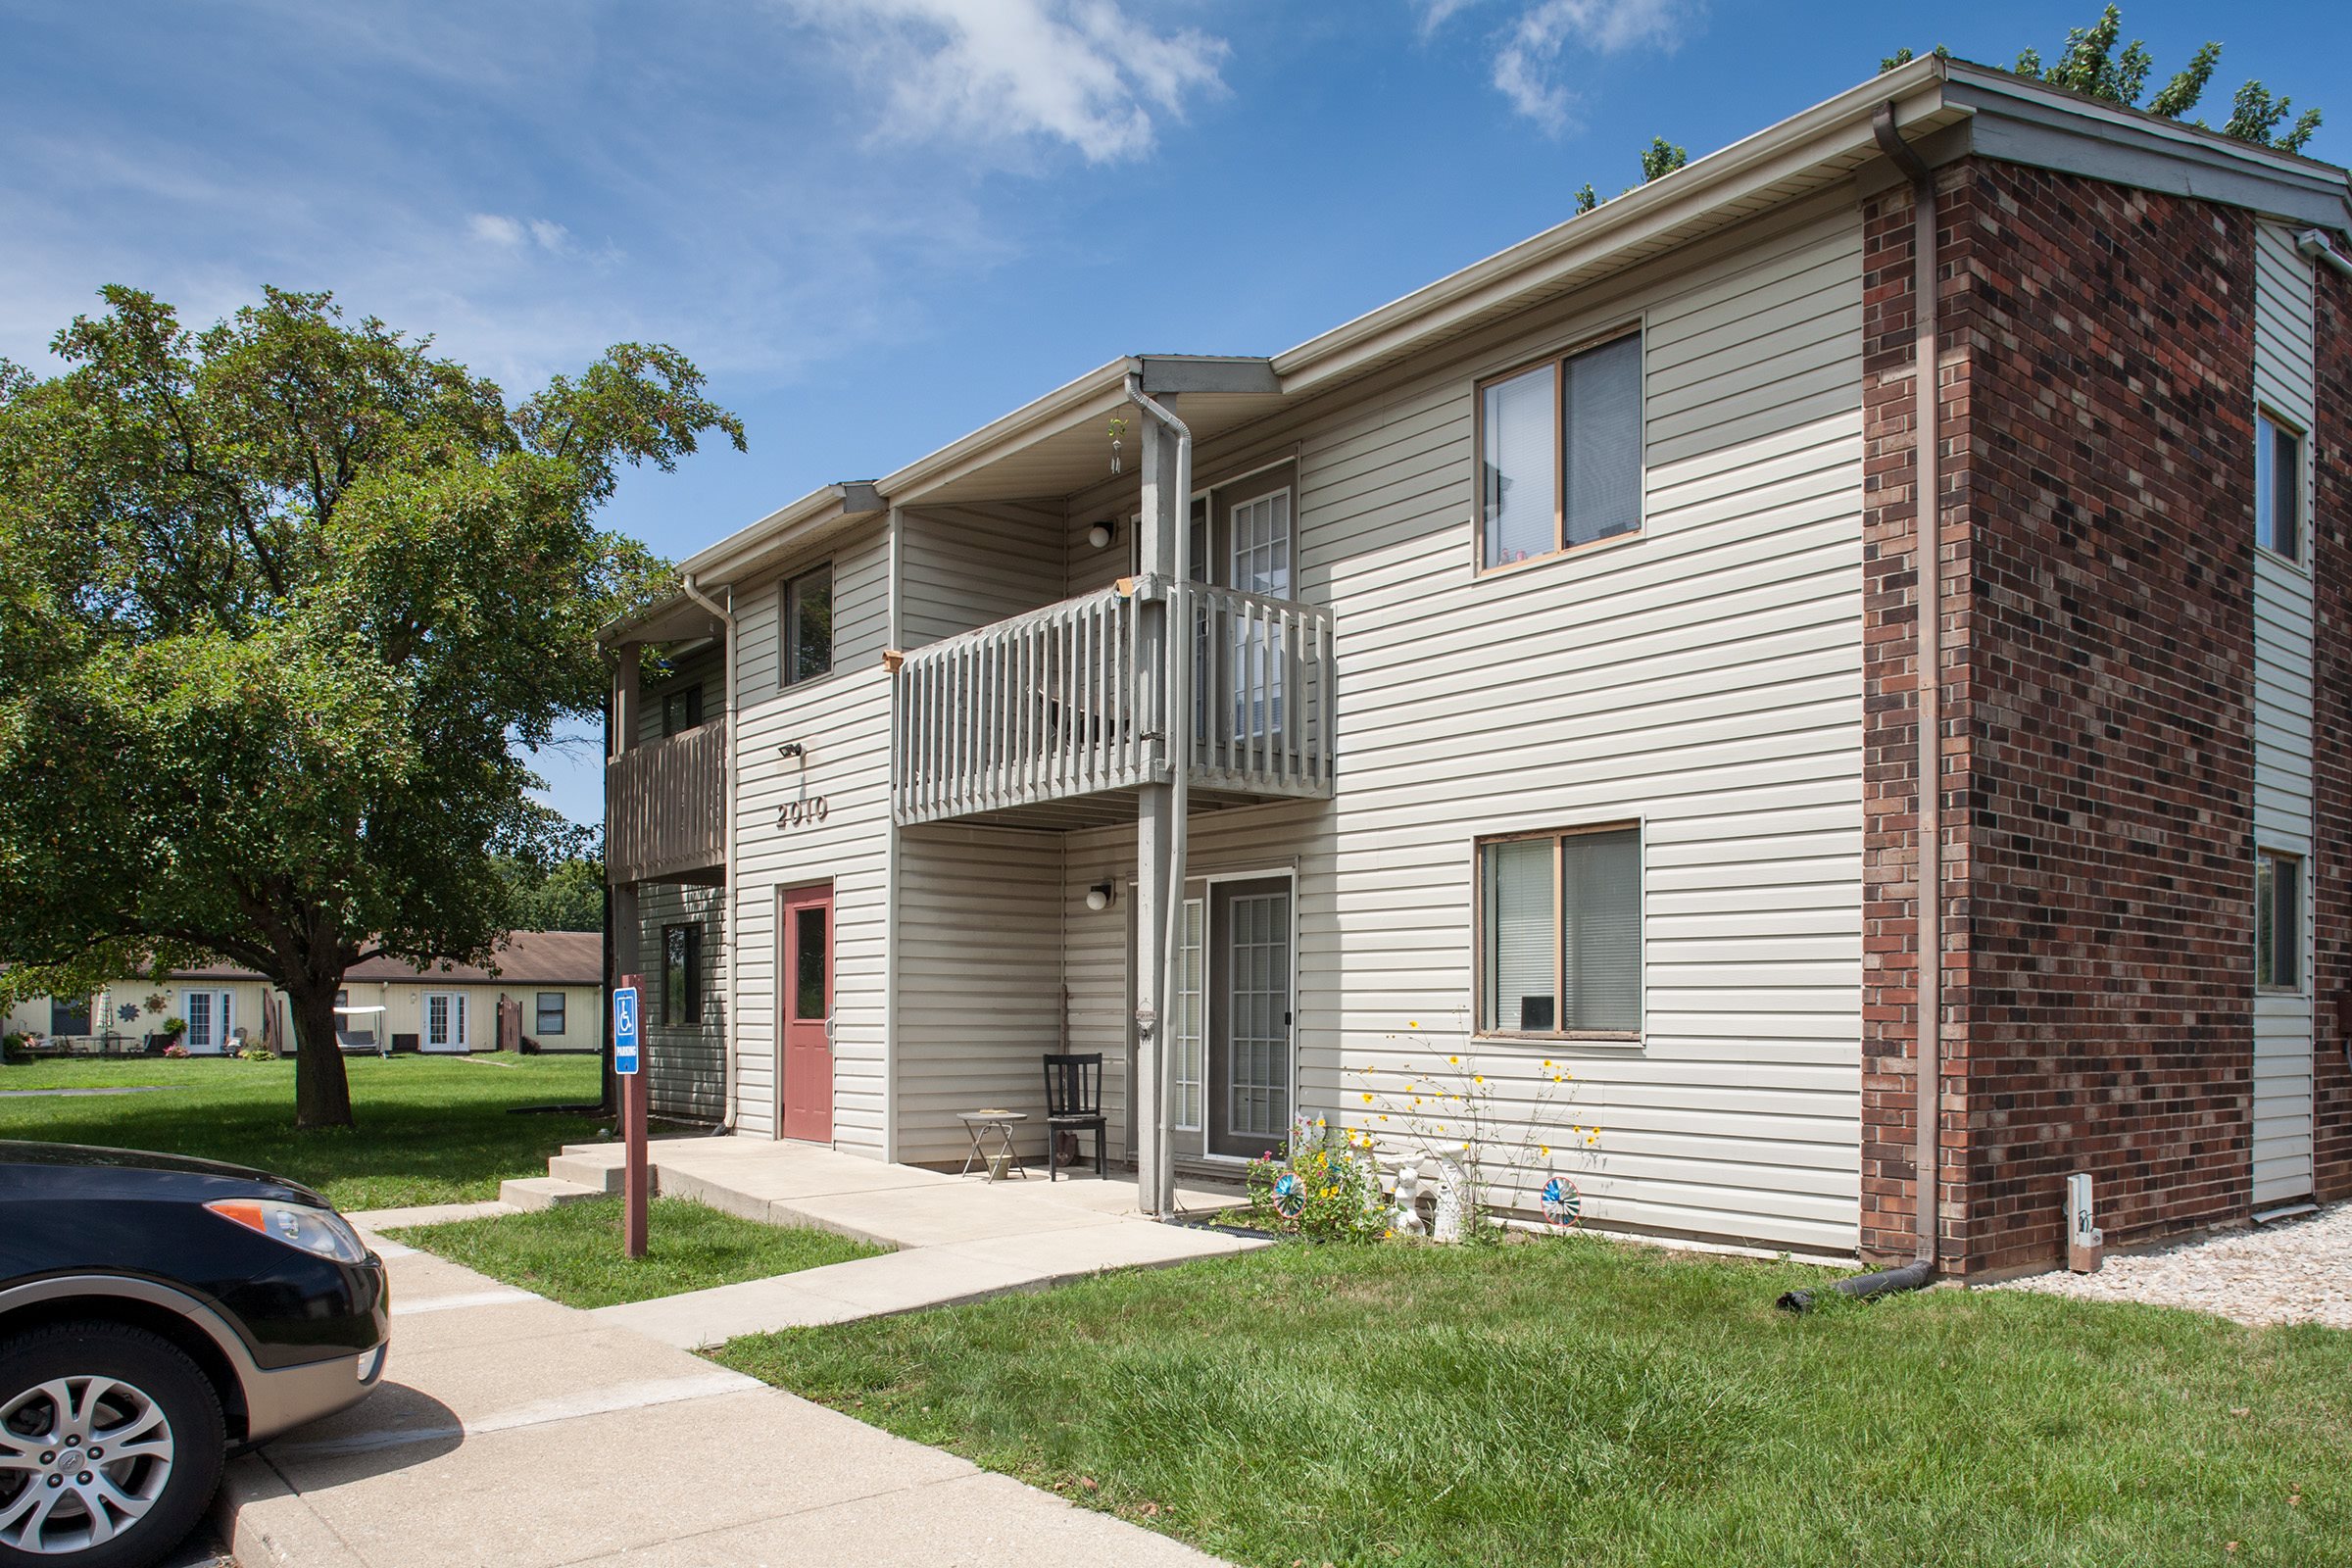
<point>549,978</point>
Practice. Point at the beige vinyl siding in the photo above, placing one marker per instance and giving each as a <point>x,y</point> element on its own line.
<point>843,720</point>
<point>1703,679</point>
<point>2284,676</point>
<point>980,978</point>
<point>965,567</point>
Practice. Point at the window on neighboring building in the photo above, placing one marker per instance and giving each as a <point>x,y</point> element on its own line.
<point>2277,921</point>
<point>1560,933</point>
<point>1560,453</point>
<point>2278,487</point>
<point>550,1021</point>
<point>682,710</point>
<point>681,975</point>
<point>808,625</point>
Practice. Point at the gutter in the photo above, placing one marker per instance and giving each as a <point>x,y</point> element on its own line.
<point>1162,1200</point>
<point>2312,243</point>
<point>1927,683</point>
<point>728,921</point>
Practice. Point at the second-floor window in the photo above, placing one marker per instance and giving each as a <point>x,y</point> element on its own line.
<point>808,651</point>
<point>681,976</point>
<point>2278,487</point>
<point>1559,453</point>
<point>682,710</point>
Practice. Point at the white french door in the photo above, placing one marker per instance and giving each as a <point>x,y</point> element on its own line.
<point>1258,561</point>
<point>444,1021</point>
<point>209,1016</point>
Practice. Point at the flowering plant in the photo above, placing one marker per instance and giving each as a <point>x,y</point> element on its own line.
<point>175,1052</point>
<point>1321,1182</point>
<point>1454,1115</point>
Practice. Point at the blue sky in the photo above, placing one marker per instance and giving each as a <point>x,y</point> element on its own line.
<point>878,223</point>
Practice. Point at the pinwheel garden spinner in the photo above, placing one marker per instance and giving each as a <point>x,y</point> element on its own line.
<point>1562,1203</point>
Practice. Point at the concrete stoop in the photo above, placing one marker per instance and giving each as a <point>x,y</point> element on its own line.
<point>545,1192</point>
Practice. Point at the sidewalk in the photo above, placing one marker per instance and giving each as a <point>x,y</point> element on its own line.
<point>514,1432</point>
<point>957,1239</point>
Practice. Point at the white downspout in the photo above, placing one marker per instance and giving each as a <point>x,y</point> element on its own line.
<point>727,920</point>
<point>1179,769</point>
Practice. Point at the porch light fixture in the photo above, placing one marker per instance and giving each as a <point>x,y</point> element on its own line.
<point>1097,896</point>
<point>791,749</point>
<point>1102,535</point>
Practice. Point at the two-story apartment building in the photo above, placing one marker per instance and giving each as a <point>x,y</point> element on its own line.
<point>1526,672</point>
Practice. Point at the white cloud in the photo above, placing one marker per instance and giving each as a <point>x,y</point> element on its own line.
<point>1532,63</point>
<point>520,233</point>
<point>1084,73</point>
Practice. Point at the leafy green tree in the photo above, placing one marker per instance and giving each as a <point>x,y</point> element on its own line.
<point>277,599</point>
<point>1662,158</point>
<point>567,895</point>
<point>2091,65</point>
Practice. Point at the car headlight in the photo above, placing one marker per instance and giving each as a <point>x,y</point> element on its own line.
<point>315,1230</point>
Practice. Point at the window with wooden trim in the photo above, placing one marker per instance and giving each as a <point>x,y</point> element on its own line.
<point>681,976</point>
<point>807,647</point>
<point>1559,923</point>
<point>548,1014</point>
<point>1559,453</point>
<point>682,710</point>
<point>2277,921</point>
<point>2278,487</point>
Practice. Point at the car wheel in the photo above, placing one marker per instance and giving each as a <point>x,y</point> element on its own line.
<point>110,1443</point>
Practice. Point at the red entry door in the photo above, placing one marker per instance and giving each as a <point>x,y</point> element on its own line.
<point>804,932</point>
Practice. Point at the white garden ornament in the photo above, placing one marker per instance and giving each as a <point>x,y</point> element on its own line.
<point>1406,1220</point>
<point>1454,1202</point>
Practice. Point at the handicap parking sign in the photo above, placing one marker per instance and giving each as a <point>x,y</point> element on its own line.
<point>624,1030</point>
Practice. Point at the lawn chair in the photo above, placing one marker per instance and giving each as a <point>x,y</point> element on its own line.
<point>1074,1104</point>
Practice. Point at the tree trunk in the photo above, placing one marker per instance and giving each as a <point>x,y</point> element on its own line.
<point>322,1091</point>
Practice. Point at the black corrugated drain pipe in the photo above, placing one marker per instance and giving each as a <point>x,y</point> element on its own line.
<point>1886,1282</point>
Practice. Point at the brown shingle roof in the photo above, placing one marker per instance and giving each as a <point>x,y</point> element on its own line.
<point>525,957</point>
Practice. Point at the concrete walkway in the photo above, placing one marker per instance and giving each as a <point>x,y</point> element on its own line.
<point>956,1239</point>
<point>515,1432</point>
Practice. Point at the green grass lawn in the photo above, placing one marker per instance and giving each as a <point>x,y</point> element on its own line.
<point>1578,1402</point>
<point>572,1253</point>
<point>431,1130</point>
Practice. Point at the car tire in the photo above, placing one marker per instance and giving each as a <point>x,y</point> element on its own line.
<point>142,1390</point>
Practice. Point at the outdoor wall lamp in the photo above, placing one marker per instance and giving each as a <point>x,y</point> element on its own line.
<point>1102,535</point>
<point>1097,896</point>
<point>791,749</point>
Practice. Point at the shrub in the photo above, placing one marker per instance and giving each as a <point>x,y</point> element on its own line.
<point>257,1054</point>
<point>1326,1176</point>
<point>174,1027</point>
<point>175,1051</point>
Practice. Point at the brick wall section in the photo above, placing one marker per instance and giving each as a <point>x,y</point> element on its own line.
<point>1890,756</point>
<point>2331,751</point>
<point>2098,760</point>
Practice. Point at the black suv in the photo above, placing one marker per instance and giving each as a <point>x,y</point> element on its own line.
<point>153,1312</point>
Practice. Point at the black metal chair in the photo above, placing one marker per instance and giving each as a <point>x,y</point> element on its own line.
<point>1074,1104</point>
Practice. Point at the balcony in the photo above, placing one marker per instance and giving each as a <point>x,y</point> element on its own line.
<point>666,809</point>
<point>1049,720</point>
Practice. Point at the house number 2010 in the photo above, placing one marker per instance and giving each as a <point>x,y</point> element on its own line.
<point>800,813</point>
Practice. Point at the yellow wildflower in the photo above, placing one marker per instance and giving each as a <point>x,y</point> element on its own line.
<point>1368,1099</point>
<point>1546,1152</point>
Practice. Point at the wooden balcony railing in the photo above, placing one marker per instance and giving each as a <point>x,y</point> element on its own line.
<point>1056,705</point>
<point>665,808</point>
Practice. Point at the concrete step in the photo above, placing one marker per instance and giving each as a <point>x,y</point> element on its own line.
<point>582,1171</point>
<point>544,1191</point>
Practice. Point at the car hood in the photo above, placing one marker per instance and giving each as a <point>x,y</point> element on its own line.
<point>89,1157</point>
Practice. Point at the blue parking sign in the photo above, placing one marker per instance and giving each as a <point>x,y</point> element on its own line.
<point>624,1030</point>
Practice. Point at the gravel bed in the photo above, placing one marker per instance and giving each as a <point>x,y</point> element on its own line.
<point>2298,1271</point>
